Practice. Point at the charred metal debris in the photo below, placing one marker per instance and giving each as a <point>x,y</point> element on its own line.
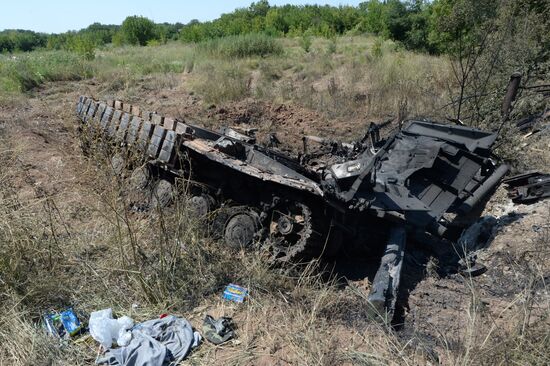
<point>528,187</point>
<point>423,183</point>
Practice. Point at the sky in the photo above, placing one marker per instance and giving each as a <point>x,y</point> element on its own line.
<point>63,15</point>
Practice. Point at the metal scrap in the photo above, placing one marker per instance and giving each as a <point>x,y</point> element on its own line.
<point>528,187</point>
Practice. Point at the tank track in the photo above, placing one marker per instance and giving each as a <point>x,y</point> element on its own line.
<point>284,250</point>
<point>156,139</point>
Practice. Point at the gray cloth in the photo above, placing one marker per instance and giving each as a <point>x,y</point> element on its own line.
<point>154,343</point>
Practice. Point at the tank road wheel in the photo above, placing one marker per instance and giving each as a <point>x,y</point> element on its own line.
<point>202,205</point>
<point>237,226</point>
<point>290,232</point>
<point>163,194</point>
<point>139,189</point>
<point>241,229</point>
<point>118,163</point>
<point>140,178</point>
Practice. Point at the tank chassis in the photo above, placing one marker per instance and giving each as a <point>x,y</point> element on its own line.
<point>371,194</point>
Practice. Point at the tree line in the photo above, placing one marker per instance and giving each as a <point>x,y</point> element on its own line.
<point>408,22</point>
<point>421,25</point>
<point>135,30</point>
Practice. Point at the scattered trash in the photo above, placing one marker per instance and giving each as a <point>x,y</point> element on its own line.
<point>475,270</point>
<point>218,331</point>
<point>52,324</point>
<point>62,324</point>
<point>105,329</point>
<point>165,341</point>
<point>197,339</point>
<point>235,293</point>
<point>70,322</point>
<point>539,228</point>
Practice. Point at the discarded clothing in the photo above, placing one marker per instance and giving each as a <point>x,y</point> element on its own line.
<point>154,343</point>
<point>218,331</point>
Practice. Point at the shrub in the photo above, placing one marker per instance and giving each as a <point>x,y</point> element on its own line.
<point>305,42</point>
<point>242,46</point>
<point>21,40</point>
<point>377,48</point>
<point>219,83</point>
<point>332,46</point>
<point>82,45</point>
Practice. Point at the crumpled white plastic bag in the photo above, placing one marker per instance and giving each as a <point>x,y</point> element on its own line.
<point>105,329</point>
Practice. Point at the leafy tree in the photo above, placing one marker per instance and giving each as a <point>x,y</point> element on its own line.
<point>417,36</point>
<point>434,26</point>
<point>138,30</point>
<point>260,8</point>
<point>463,28</point>
<point>83,45</point>
<point>99,34</point>
<point>375,19</point>
<point>7,44</point>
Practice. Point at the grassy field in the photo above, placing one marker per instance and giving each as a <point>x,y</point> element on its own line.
<point>352,75</point>
<point>67,237</point>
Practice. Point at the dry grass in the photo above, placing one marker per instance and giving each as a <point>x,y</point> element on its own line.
<point>349,81</point>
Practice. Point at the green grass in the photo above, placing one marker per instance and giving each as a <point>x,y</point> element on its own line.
<point>240,46</point>
<point>23,72</point>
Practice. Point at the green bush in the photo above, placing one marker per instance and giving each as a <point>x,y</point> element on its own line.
<point>220,82</point>
<point>82,45</point>
<point>246,45</point>
<point>21,40</point>
<point>136,30</point>
<point>306,42</point>
<point>331,48</point>
<point>377,48</point>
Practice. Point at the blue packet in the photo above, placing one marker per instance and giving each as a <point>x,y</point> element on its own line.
<point>70,322</point>
<point>235,293</point>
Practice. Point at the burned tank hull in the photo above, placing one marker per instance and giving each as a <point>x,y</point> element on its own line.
<point>426,176</point>
<point>370,194</point>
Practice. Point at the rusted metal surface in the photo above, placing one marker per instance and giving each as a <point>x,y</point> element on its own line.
<point>511,93</point>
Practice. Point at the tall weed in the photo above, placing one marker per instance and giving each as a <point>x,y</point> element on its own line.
<point>241,46</point>
<point>23,72</point>
<point>217,82</point>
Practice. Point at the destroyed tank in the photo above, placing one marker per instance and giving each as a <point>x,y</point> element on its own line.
<point>420,182</point>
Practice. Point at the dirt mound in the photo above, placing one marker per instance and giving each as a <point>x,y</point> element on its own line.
<point>289,122</point>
